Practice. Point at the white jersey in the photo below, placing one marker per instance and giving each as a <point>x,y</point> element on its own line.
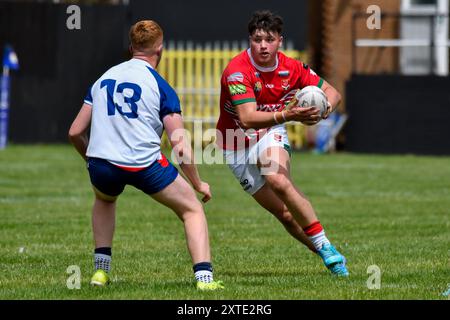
<point>129,102</point>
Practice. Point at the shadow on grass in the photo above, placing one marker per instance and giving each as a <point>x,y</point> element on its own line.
<point>263,273</point>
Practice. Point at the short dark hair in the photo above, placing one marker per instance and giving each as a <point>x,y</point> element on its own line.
<point>266,21</point>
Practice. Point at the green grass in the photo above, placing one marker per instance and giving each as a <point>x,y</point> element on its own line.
<point>389,211</point>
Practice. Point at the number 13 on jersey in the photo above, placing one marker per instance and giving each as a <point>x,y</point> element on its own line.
<point>111,88</point>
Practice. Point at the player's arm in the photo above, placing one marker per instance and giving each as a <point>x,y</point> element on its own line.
<point>78,130</point>
<point>333,96</point>
<point>251,118</point>
<point>173,124</point>
<point>307,77</point>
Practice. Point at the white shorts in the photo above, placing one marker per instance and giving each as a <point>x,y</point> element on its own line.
<point>244,163</point>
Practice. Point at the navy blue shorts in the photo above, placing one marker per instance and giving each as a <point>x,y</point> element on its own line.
<point>111,180</point>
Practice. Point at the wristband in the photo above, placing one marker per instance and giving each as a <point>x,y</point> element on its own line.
<point>275,118</point>
<point>283,115</point>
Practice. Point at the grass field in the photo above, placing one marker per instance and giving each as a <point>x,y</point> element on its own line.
<point>388,211</point>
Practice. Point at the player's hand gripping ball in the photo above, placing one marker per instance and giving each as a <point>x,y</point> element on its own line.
<point>312,96</point>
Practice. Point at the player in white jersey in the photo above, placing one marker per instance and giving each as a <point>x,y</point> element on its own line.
<point>127,109</point>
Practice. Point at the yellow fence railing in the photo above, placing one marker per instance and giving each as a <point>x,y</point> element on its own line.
<point>195,71</point>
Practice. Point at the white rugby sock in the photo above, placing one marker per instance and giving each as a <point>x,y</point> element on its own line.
<point>203,272</point>
<point>204,276</point>
<point>319,240</point>
<point>103,262</point>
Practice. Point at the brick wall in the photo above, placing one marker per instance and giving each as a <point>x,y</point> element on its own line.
<point>336,45</point>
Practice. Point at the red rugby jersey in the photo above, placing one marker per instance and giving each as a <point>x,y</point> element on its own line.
<point>271,88</point>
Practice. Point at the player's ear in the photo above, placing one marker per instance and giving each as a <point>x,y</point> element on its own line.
<point>158,46</point>
<point>159,50</point>
<point>130,47</point>
<point>281,42</point>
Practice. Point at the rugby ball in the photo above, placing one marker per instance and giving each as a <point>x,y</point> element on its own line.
<point>312,96</point>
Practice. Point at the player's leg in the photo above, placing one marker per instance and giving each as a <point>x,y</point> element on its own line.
<point>270,201</point>
<point>274,163</point>
<point>180,197</point>
<point>107,185</point>
<point>243,164</point>
<point>103,219</point>
<point>163,183</point>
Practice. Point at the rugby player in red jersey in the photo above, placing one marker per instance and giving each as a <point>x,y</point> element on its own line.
<point>256,86</point>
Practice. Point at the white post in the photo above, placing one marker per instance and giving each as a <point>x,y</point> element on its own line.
<point>441,38</point>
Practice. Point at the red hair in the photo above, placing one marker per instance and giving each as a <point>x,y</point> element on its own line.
<point>144,35</point>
